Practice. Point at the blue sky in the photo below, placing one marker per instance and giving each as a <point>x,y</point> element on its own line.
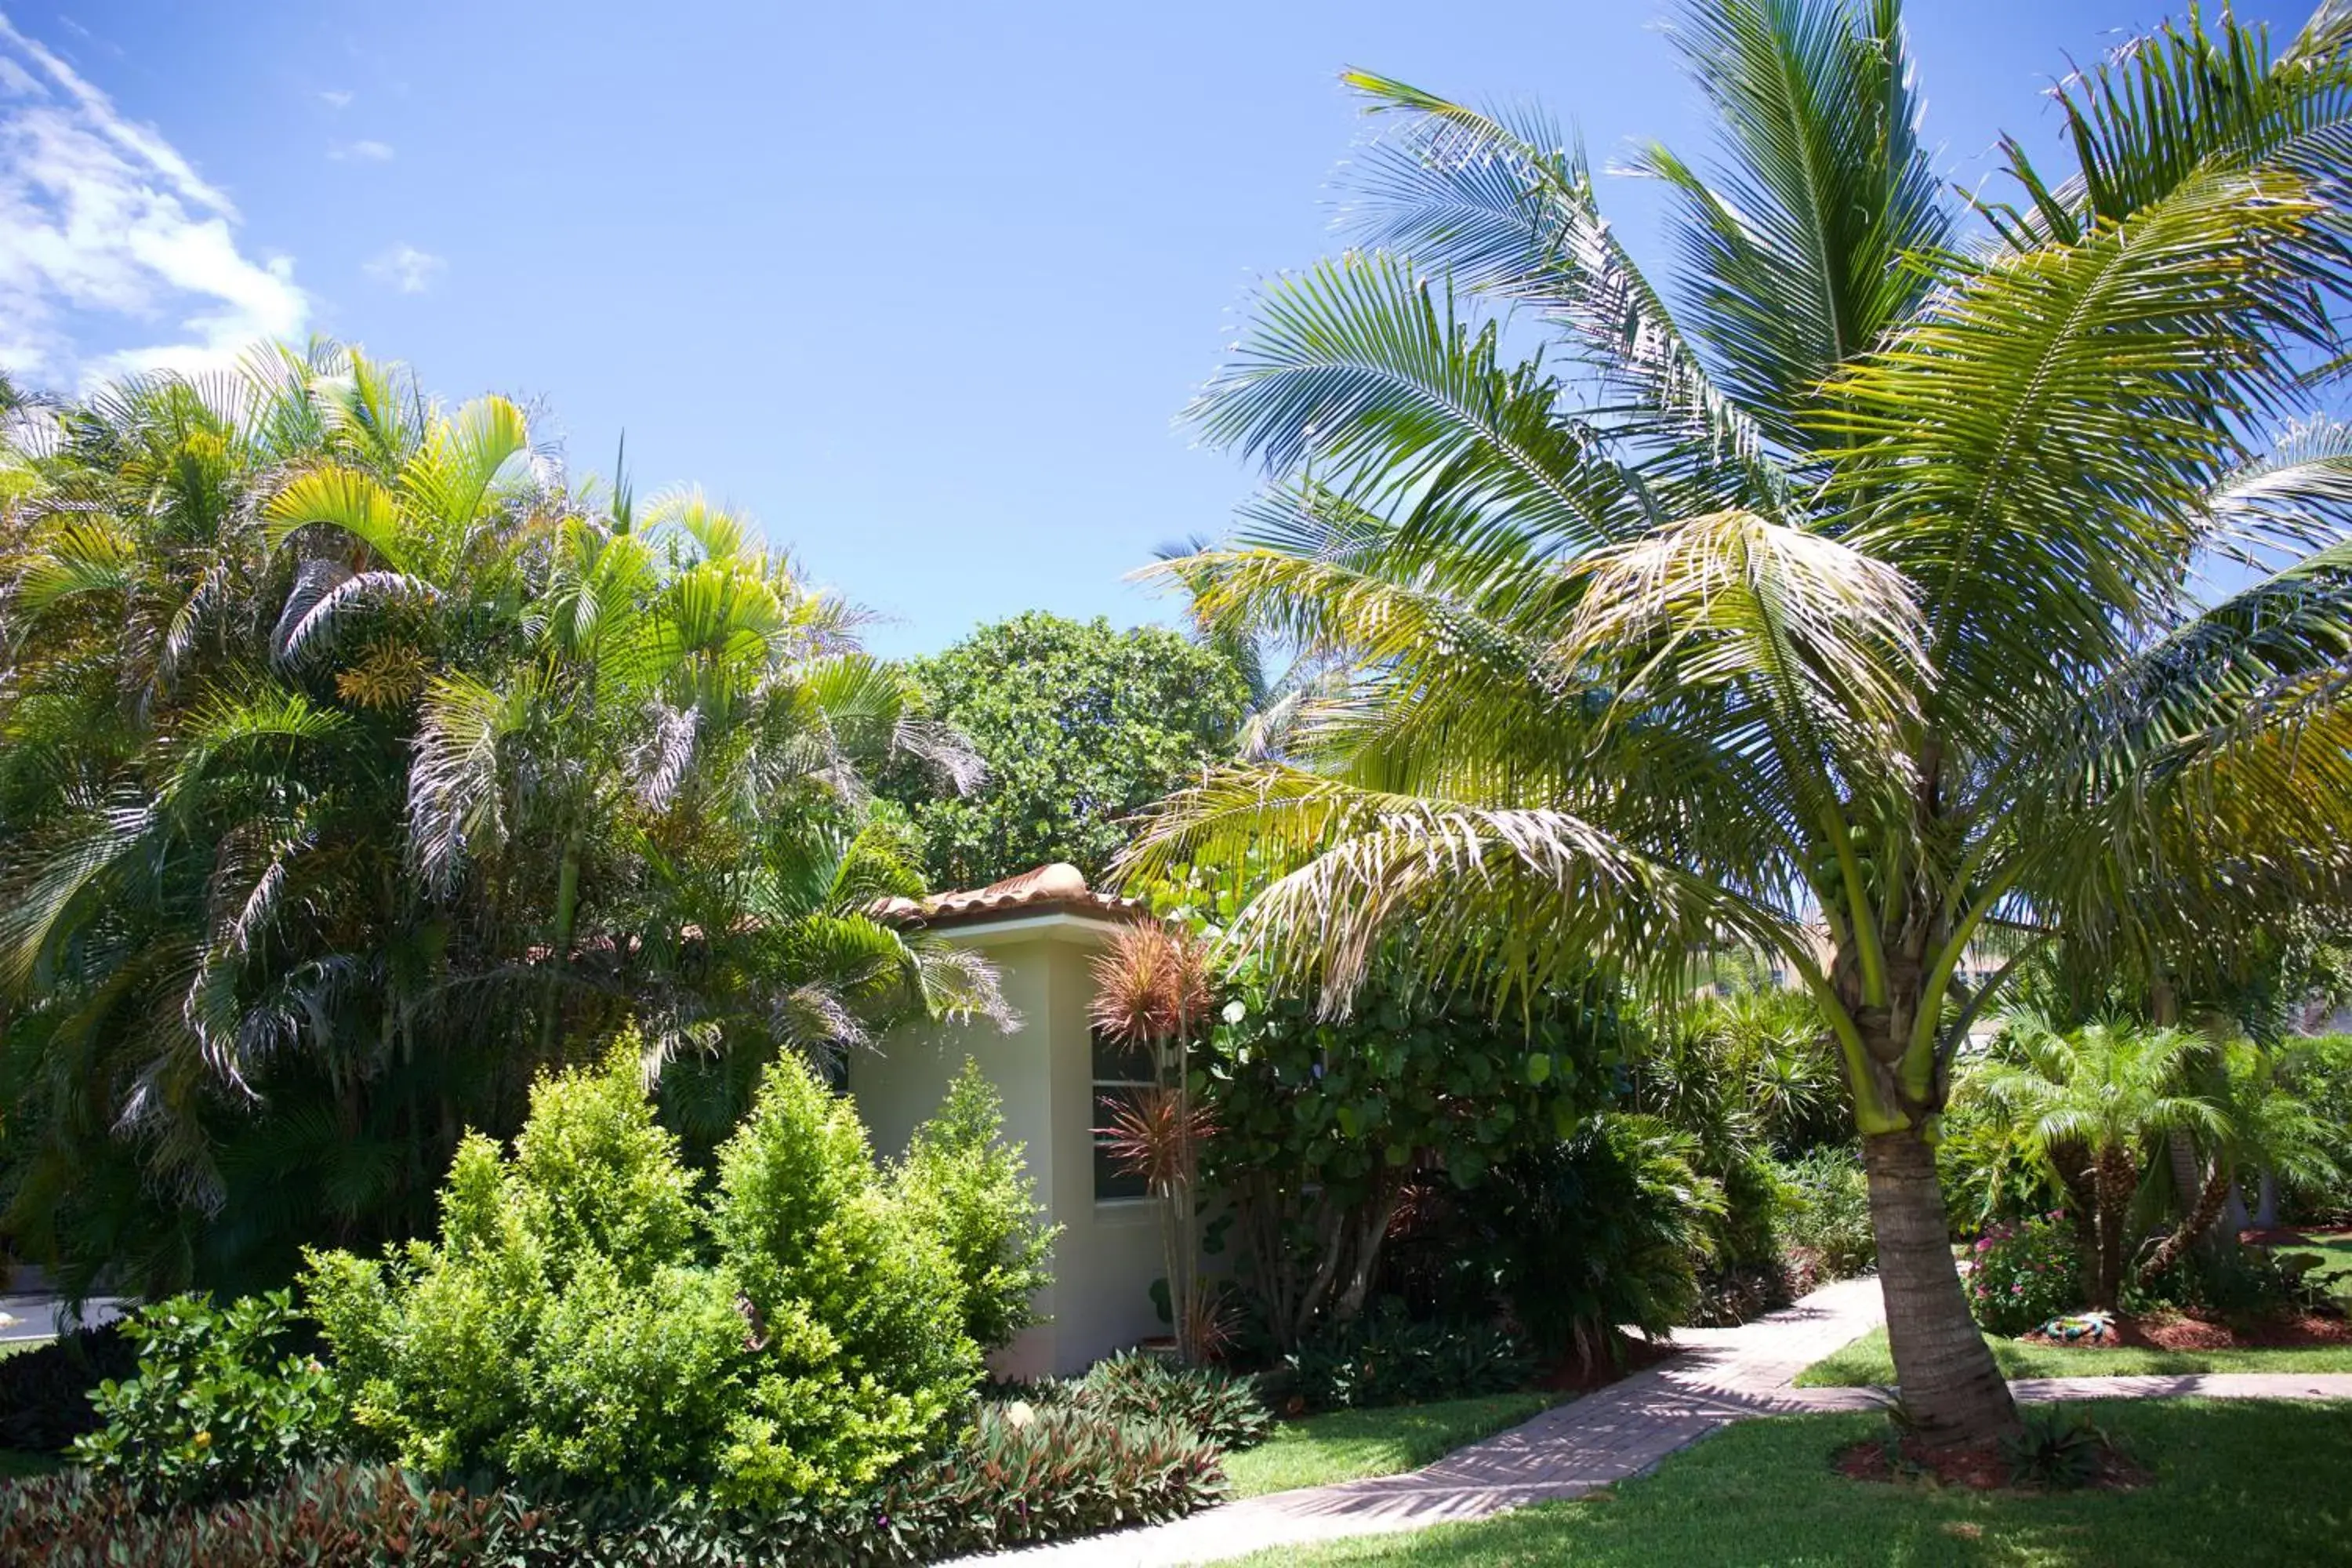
<point>919,286</point>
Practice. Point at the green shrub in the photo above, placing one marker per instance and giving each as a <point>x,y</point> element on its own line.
<point>45,1391</point>
<point>560,1328</point>
<point>1016,1475</point>
<point>861,1308</point>
<point>1136,1385</point>
<point>217,1409</point>
<point>1383,1357</point>
<point>2019,1277</point>
<point>585,1320</point>
<point>1825,1210</point>
<point>1605,1229</point>
<point>963,1184</point>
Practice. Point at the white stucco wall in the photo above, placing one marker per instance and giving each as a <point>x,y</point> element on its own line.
<point>1109,1253</point>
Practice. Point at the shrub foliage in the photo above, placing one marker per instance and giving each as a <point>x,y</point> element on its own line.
<point>213,1410</point>
<point>587,1317</point>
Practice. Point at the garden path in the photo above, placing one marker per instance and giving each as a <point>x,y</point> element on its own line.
<point>1723,1375</point>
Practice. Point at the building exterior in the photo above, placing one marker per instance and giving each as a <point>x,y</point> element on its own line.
<point>1043,930</point>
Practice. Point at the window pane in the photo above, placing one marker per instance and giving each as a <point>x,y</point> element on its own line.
<point>1116,1063</point>
<point>1111,1182</point>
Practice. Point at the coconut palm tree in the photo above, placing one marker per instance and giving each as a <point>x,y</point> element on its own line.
<point>1860,575</point>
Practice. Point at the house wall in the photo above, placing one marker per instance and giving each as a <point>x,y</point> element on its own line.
<point>1109,1253</point>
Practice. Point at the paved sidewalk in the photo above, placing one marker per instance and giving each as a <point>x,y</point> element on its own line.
<point>1725,1375</point>
<point>42,1315</point>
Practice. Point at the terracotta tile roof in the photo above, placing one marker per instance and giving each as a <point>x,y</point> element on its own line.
<point>1058,888</point>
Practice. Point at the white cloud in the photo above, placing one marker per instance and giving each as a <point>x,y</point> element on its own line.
<point>101,217</point>
<point>405,269</point>
<point>361,152</point>
<point>336,98</point>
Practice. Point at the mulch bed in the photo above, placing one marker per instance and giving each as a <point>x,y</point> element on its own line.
<point>1979,1467</point>
<point>1632,1355</point>
<point>2283,1237</point>
<point>2184,1331</point>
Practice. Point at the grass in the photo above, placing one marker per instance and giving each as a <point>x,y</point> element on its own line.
<point>2334,1263</point>
<point>2252,1484</point>
<point>17,1464</point>
<point>1865,1363</point>
<point>1348,1445</point>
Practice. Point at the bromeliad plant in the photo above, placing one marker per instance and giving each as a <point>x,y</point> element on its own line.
<point>1849,584</point>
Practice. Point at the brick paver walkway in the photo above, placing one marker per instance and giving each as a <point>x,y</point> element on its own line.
<point>1724,1375</point>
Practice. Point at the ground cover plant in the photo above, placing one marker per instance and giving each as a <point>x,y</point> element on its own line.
<point>1765,1492</point>
<point>1849,576</point>
<point>1010,1479</point>
<point>1348,1445</point>
<point>1865,1363</point>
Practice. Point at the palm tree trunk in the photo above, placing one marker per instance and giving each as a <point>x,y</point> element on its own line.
<point>1950,1385</point>
<point>2199,1219</point>
<point>2114,1186</point>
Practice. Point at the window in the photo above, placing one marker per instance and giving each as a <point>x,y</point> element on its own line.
<point>1119,1075</point>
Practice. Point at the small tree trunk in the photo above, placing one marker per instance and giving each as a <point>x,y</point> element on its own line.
<point>1949,1383</point>
<point>2187,1175</point>
<point>2199,1220</point>
<point>2266,1205</point>
<point>2116,1180</point>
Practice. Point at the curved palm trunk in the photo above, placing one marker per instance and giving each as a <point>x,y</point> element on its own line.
<point>1950,1385</point>
<point>2203,1214</point>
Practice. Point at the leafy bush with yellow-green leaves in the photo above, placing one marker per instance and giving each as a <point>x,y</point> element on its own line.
<point>591,1315</point>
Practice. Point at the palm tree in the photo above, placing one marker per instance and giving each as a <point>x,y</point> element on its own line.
<point>250,626</point>
<point>2262,1132</point>
<point>2096,1103</point>
<point>1857,578</point>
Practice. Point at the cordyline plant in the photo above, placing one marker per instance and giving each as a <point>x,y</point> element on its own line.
<point>1847,599</point>
<point>1151,996</point>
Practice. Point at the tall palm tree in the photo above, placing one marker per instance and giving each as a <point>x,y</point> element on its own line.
<point>1856,576</point>
<point>251,626</point>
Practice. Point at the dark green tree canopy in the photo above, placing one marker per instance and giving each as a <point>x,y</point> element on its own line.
<point>1081,727</point>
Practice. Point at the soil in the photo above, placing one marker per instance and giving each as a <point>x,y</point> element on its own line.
<point>2282,1236</point>
<point>1979,1467</point>
<point>1632,1355</point>
<point>2184,1331</point>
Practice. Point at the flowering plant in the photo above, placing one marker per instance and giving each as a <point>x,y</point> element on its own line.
<point>2021,1276</point>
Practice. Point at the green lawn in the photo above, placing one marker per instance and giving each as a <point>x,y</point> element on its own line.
<point>1866,1363</point>
<point>16,1462</point>
<point>2247,1485</point>
<point>2335,1260</point>
<point>1347,1444</point>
